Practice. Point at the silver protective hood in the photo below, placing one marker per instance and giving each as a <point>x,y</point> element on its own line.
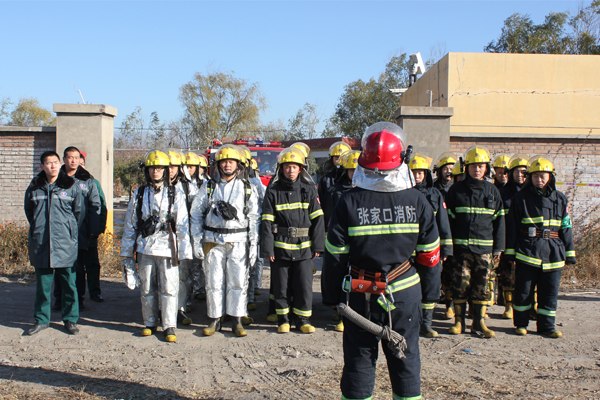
<point>389,181</point>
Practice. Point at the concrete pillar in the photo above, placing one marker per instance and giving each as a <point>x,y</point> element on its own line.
<point>89,127</point>
<point>427,128</point>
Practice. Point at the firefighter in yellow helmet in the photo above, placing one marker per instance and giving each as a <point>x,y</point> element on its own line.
<point>292,234</point>
<point>157,229</point>
<point>303,147</point>
<point>332,173</point>
<point>500,166</point>
<point>458,172</point>
<point>224,223</point>
<point>431,276</point>
<point>477,220</point>
<point>516,172</point>
<point>196,166</point>
<point>443,170</point>
<point>540,241</point>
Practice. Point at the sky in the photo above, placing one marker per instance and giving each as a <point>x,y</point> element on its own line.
<point>139,53</point>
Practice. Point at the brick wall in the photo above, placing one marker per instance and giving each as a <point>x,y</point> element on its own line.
<point>20,151</point>
<point>575,160</point>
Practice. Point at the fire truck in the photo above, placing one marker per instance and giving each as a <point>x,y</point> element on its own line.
<point>264,152</point>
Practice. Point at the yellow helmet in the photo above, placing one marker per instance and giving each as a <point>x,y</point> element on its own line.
<point>303,147</point>
<point>156,158</point>
<point>253,163</point>
<point>420,161</point>
<point>518,160</point>
<point>176,157</point>
<point>540,164</point>
<point>349,160</point>
<point>240,149</point>
<point>338,148</point>
<point>291,155</point>
<point>228,152</point>
<point>446,158</point>
<point>501,161</point>
<point>192,158</point>
<point>476,155</point>
<point>458,169</point>
<point>246,151</point>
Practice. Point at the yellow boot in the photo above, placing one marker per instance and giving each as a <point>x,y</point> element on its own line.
<point>459,324</point>
<point>508,309</point>
<point>272,318</point>
<point>238,328</point>
<point>214,326</point>
<point>339,327</point>
<point>479,321</point>
<point>170,335</point>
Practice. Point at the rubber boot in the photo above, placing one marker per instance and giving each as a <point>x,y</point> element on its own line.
<point>533,309</point>
<point>257,292</point>
<point>183,319</point>
<point>148,331</point>
<point>339,327</point>
<point>170,335</point>
<point>479,321</point>
<point>508,309</point>
<point>459,318</point>
<point>426,325</point>
<point>272,318</point>
<point>521,331</point>
<point>283,324</point>
<point>500,298</point>
<point>336,316</point>
<point>237,327</point>
<point>251,306</point>
<point>449,314</point>
<point>214,326</point>
<point>492,283</point>
<point>201,296</point>
<point>246,320</point>
<point>304,325</point>
<point>553,333</point>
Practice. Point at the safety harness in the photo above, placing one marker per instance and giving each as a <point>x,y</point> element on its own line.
<point>210,189</point>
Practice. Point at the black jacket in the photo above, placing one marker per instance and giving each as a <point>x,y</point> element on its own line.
<point>91,209</point>
<point>54,219</point>
<point>532,210</point>
<point>377,231</point>
<point>442,187</point>
<point>436,201</point>
<point>508,191</point>
<point>327,182</point>
<point>291,204</point>
<point>476,216</point>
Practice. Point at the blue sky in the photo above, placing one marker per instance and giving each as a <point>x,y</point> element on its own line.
<point>128,54</point>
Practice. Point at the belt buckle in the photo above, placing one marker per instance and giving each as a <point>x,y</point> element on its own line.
<point>546,234</point>
<point>347,283</point>
<point>532,231</point>
<point>293,232</point>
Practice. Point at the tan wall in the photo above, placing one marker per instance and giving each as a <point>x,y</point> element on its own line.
<point>514,93</point>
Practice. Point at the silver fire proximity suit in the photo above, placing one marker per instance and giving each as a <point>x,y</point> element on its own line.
<point>159,279</point>
<point>257,264</point>
<point>186,267</point>
<point>226,245</point>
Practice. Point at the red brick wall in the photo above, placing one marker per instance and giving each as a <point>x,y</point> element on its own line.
<point>19,162</point>
<point>575,160</point>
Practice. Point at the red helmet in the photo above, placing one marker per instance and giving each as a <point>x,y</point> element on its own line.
<point>382,147</point>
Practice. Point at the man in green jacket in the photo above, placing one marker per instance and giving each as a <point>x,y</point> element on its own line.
<point>53,206</point>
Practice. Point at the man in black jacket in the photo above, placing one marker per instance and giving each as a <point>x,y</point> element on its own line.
<point>540,240</point>
<point>443,170</point>
<point>53,206</point>
<point>329,179</point>
<point>292,234</point>
<point>477,220</point>
<point>90,229</point>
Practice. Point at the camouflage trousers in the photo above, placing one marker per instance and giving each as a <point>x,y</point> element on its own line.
<point>506,273</point>
<point>470,276</point>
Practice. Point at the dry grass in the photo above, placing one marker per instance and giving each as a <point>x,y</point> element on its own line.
<point>586,273</point>
<point>14,257</point>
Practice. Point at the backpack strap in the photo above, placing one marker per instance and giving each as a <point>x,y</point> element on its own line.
<point>186,189</point>
<point>139,202</point>
<point>247,194</point>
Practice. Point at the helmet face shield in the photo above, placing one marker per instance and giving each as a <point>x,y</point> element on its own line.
<point>518,160</point>
<point>382,149</point>
<point>446,158</point>
<point>477,155</point>
<point>176,157</point>
<point>501,161</point>
<point>156,158</point>
<point>338,148</point>
<point>302,147</point>
<point>291,155</point>
<point>541,164</point>
<point>420,161</point>
<point>387,126</point>
<point>349,160</point>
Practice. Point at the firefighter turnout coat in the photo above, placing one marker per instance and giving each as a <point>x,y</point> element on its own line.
<point>540,230</point>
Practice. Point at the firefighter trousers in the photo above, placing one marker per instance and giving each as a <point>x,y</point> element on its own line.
<point>430,285</point>
<point>471,276</point>
<point>159,283</point>
<point>298,275</point>
<point>526,279</point>
<point>361,348</point>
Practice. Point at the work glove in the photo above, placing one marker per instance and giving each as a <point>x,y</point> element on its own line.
<point>253,253</point>
<point>199,252</point>
<point>130,275</point>
<point>571,261</point>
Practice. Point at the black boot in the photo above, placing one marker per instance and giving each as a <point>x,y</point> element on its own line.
<point>426,325</point>
<point>237,327</point>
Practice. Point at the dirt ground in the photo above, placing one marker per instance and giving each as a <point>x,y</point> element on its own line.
<point>109,359</point>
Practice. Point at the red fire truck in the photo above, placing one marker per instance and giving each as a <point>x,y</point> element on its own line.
<point>264,152</point>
